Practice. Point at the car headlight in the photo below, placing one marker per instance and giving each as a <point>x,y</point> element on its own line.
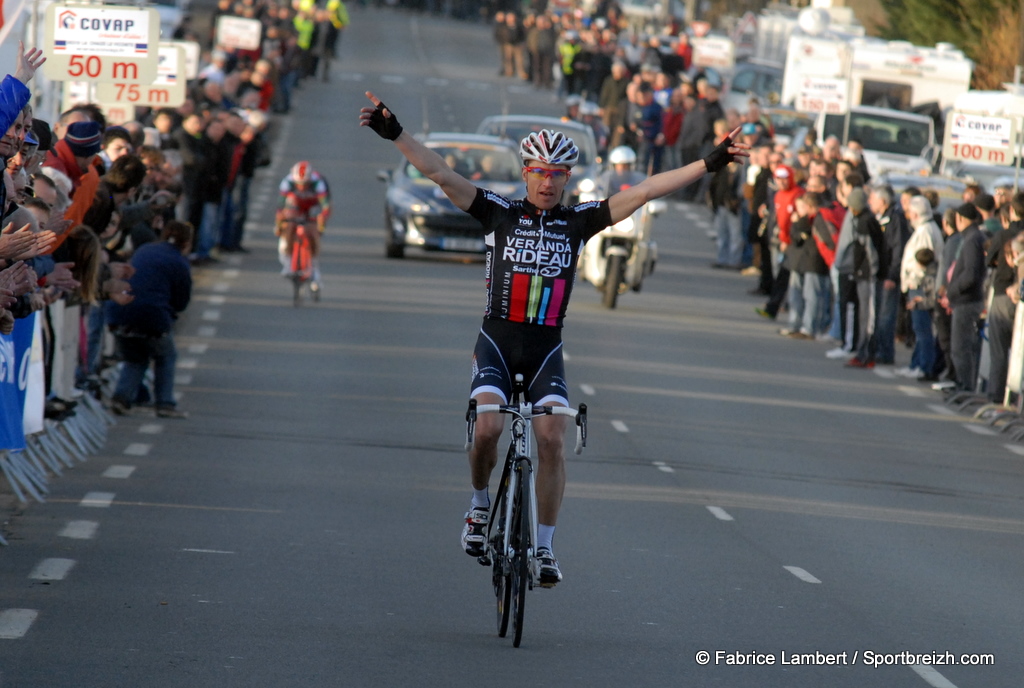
<point>413,203</point>
<point>586,185</point>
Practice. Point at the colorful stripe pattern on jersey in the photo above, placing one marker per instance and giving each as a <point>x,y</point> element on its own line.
<point>532,255</point>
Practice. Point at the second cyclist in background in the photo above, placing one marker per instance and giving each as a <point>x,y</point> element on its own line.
<point>304,194</point>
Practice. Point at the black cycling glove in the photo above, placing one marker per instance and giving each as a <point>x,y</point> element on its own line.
<point>386,127</point>
<point>719,157</point>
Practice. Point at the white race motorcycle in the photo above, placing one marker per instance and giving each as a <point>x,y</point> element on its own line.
<point>619,257</point>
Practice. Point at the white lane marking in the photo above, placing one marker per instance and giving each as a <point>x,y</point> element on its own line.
<point>207,331</point>
<point>436,81</point>
<point>119,472</point>
<point>235,260</point>
<point>565,356</point>
<point>232,273</point>
<point>885,373</point>
<point>620,426</point>
<point>99,500</point>
<point>942,410</point>
<point>720,513</point>
<point>79,530</point>
<point>206,551</point>
<point>588,390</point>
<point>52,569</point>
<point>151,428</point>
<point>137,449</point>
<point>183,379</point>
<point>217,300</point>
<point>221,287</point>
<point>666,469</point>
<point>912,391</point>
<point>178,396</point>
<point>351,76</point>
<point>14,623</point>
<point>212,315</point>
<point>198,348</point>
<point>931,676</point>
<point>188,363</point>
<point>801,574</point>
<point>1015,448</point>
<point>980,429</point>
<point>392,79</point>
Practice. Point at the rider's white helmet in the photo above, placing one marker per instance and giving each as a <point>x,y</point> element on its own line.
<point>551,147</point>
<point>622,155</point>
<point>302,172</point>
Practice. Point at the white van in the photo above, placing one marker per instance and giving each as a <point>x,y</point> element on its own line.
<point>893,140</point>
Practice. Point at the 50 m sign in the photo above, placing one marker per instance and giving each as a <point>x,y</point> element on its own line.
<point>101,43</point>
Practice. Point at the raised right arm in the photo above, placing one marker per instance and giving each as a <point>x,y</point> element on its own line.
<point>457,188</point>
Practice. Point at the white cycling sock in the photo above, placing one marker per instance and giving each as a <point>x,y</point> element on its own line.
<point>545,534</point>
<point>481,498</point>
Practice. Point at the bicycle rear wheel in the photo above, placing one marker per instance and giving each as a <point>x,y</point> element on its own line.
<point>297,283</point>
<point>521,544</point>
<point>501,574</point>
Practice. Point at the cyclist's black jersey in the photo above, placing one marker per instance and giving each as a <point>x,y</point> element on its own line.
<point>531,254</point>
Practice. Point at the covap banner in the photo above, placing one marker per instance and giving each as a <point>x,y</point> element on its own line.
<point>15,365</point>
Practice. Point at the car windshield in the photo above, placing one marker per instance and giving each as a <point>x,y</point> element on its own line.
<point>517,131</point>
<point>787,123</point>
<point>882,133</point>
<point>477,162</point>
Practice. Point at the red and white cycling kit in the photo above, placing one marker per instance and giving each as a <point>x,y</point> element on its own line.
<point>305,198</point>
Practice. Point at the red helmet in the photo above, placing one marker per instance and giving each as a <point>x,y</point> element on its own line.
<point>302,172</point>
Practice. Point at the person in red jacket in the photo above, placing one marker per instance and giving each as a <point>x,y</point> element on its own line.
<point>783,210</point>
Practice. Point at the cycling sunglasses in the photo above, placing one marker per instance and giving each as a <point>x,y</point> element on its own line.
<point>541,173</point>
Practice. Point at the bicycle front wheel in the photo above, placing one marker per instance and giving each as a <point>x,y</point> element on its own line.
<point>521,559</point>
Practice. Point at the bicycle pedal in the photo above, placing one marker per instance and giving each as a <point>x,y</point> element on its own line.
<point>484,560</point>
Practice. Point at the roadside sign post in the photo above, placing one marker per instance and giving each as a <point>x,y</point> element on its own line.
<point>979,138</point>
<point>101,43</point>
<point>167,90</point>
<point>239,33</point>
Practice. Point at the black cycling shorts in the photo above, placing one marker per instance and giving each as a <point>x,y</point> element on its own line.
<point>505,349</point>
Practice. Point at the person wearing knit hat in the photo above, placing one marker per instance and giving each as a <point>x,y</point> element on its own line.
<point>73,154</point>
<point>969,212</point>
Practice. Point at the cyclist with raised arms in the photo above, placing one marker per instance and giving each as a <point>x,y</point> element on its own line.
<point>304,199</point>
<point>532,250</point>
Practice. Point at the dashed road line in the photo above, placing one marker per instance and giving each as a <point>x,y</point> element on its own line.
<point>801,574</point>
<point>52,569</point>
<point>119,472</point>
<point>188,363</point>
<point>198,348</point>
<point>620,426</point>
<point>912,391</point>
<point>1015,448</point>
<point>663,467</point>
<point>221,287</point>
<point>884,373</point>
<point>137,449</point>
<point>211,315</point>
<point>588,390</point>
<point>980,429</point>
<point>206,551</point>
<point>14,623</point>
<point>183,379</point>
<point>206,331</point>
<point>931,676</point>
<point>98,500</point>
<point>942,410</point>
<point>151,428</point>
<point>232,273</point>
<point>720,513</point>
<point>79,530</point>
<point>217,300</point>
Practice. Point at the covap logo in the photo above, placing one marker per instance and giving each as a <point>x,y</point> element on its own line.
<point>66,19</point>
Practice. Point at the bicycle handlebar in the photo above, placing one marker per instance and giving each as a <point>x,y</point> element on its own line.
<point>522,410</point>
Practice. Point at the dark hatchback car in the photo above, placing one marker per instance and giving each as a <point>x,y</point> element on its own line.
<point>417,213</point>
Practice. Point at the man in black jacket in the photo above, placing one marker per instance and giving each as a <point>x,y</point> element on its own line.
<point>896,233</point>
<point>965,296</point>
<point>1003,308</point>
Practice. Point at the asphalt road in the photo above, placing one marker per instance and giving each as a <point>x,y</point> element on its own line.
<point>741,494</point>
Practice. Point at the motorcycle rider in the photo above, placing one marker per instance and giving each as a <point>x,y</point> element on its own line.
<point>621,175</point>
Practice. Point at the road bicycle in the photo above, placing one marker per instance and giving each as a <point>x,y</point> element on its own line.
<point>302,266</point>
<point>511,538</point>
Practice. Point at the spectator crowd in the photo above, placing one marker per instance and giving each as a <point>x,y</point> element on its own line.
<point>103,222</point>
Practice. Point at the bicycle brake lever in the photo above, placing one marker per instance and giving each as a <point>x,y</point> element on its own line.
<point>581,428</point>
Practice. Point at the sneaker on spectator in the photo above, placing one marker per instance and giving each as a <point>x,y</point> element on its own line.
<point>857,363</point>
<point>838,352</point>
<point>786,332</point>
<point>908,372</point>
<point>751,271</point>
<point>119,408</point>
<point>801,334</point>
<point>170,412</point>
<point>764,313</point>
<point>550,575</point>
<point>474,533</point>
